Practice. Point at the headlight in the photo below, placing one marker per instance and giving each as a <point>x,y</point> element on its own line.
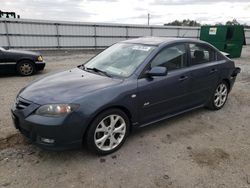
<point>40,58</point>
<point>56,110</point>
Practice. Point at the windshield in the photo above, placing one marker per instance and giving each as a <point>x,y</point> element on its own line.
<point>121,59</point>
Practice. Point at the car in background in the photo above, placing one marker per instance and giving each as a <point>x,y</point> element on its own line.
<point>25,63</point>
<point>129,85</point>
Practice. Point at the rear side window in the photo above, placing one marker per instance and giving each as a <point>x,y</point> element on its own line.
<point>201,54</point>
<point>174,57</point>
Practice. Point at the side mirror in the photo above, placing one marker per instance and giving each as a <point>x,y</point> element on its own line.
<point>157,71</point>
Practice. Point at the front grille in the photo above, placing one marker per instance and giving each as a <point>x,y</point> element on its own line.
<point>21,103</point>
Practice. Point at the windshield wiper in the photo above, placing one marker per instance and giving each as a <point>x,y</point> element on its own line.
<point>83,67</point>
<point>97,70</point>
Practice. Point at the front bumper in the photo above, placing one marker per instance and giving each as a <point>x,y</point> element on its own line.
<point>40,65</point>
<point>67,132</point>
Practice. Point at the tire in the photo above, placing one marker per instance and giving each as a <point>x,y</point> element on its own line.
<point>26,68</point>
<point>101,137</point>
<point>219,96</point>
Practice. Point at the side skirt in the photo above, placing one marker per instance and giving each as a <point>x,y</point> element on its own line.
<point>169,116</point>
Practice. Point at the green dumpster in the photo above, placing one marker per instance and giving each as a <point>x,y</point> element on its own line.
<point>227,38</point>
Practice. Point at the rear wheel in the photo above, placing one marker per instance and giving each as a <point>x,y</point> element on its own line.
<point>219,97</point>
<point>108,132</point>
<point>26,68</point>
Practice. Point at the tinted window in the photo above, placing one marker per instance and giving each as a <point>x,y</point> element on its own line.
<point>201,54</point>
<point>172,58</point>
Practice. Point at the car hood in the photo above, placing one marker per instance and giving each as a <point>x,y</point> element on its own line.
<point>22,52</point>
<point>66,86</point>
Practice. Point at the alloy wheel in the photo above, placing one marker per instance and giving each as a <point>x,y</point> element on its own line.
<point>220,95</point>
<point>26,69</point>
<point>110,132</point>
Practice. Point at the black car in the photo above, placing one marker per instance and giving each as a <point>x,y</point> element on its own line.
<point>26,63</point>
<point>131,84</point>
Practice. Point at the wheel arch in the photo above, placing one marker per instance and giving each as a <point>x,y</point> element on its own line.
<point>25,59</point>
<point>228,83</point>
<point>120,107</point>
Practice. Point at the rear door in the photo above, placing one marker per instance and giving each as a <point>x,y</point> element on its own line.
<point>204,73</point>
<point>163,95</point>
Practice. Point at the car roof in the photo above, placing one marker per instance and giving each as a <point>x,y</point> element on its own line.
<point>156,41</point>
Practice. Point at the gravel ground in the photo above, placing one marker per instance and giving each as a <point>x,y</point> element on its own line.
<point>201,148</point>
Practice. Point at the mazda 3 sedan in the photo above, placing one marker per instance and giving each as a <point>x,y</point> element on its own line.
<point>131,84</point>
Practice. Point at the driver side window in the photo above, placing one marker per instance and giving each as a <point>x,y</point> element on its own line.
<point>174,57</point>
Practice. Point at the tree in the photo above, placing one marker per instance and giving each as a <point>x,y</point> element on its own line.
<point>183,23</point>
<point>233,22</point>
<point>187,22</point>
<point>219,23</point>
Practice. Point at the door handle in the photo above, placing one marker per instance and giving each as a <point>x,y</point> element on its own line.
<point>213,71</point>
<point>182,78</point>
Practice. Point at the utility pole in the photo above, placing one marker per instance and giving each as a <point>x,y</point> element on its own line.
<point>148,18</point>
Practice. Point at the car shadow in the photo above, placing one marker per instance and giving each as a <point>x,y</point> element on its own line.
<point>5,74</point>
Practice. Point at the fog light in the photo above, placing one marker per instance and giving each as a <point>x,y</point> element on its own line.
<point>48,140</point>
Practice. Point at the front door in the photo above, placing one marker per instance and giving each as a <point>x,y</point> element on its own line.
<point>163,95</point>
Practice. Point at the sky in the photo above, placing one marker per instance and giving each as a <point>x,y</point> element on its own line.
<point>131,11</point>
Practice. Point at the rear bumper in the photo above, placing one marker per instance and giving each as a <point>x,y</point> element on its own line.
<point>236,71</point>
<point>233,77</point>
<point>40,65</point>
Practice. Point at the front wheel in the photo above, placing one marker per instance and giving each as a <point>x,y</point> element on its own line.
<point>219,97</point>
<point>108,132</point>
<point>26,68</point>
